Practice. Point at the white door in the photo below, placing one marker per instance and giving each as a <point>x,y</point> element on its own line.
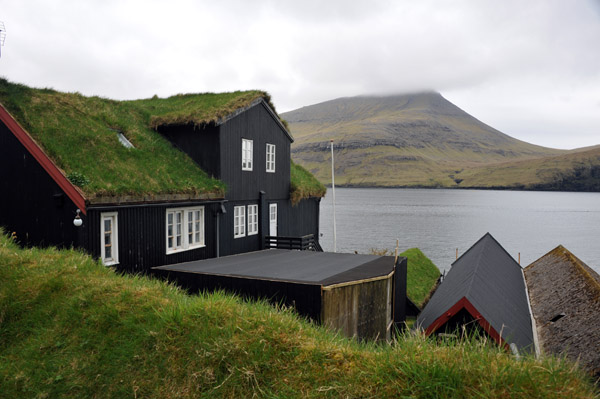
<point>273,220</point>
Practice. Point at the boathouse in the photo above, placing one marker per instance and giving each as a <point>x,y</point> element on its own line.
<point>362,296</point>
<point>483,292</point>
<point>565,300</point>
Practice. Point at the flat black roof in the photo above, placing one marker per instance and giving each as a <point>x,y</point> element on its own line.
<point>322,268</point>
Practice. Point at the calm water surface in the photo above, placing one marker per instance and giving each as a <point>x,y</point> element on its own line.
<point>439,221</point>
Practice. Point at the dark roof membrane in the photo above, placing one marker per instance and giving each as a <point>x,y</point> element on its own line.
<point>320,268</point>
<point>490,280</point>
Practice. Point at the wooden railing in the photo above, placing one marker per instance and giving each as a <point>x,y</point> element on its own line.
<point>304,243</point>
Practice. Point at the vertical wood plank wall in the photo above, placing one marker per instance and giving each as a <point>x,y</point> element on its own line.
<point>31,203</point>
<point>142,236</point>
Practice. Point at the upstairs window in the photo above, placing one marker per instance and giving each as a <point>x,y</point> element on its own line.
<point>109,238</point>
<point>239,221</point>
<point>271,158</point>
<point>185,229</point>
<point>252,219</point>
<point>247,146</point>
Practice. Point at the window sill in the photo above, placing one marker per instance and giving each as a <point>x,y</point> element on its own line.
<point>178,250</point>
<point>110,263</point>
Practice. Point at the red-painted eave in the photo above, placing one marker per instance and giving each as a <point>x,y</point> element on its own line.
<point>36,151</point>
<point>464,303</point>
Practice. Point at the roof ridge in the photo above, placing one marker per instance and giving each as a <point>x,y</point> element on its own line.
<point>583,269</point>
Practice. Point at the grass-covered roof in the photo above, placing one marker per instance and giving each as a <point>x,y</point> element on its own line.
<point>80,135</point>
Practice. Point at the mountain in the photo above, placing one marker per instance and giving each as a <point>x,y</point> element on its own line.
<point>419,140</point>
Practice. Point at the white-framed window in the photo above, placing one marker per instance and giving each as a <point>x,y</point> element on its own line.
<point>239,221</point>
<point>252,219</point>
<point>271,158</point>
<point>184,228</point>
<point>247,146</point>
<point>109,238</point>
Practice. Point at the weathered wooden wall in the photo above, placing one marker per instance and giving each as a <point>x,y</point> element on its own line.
<point>359,309</point>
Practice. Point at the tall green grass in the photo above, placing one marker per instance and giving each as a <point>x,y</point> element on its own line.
<point>71,328</point>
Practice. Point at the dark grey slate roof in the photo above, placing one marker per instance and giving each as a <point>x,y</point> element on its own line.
<point>561,284</point>
<point>322,268</point>
<point>492,281</point>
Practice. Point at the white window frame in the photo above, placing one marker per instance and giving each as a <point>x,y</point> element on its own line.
<point>273,212</point>
<point>114,238</point>
<point>252,219</point>
<point>270,158</point>
<point>247,154</point>
<point>191,221</point>
<point>239,221</point>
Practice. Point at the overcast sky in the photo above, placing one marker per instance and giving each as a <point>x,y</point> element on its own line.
<point>531,69</point>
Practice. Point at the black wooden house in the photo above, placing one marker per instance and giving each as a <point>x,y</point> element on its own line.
<point>153,182</point>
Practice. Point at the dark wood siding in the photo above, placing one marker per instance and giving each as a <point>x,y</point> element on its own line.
<point>200,143</point>
<point>142,236</point>
<point>292,220</point>
<point>304,298</point>
<point>300,219</point>
<point>231,245</point>
<point>258,125</point>
<point>31,203</point>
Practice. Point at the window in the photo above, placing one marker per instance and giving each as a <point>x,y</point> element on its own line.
<point>109,243</point>
<point>247,154</point>
<point>185,229</point>
<point>252,219</point>
<point>273,220</point>
<point>271,158</point>
<point>239,221</point>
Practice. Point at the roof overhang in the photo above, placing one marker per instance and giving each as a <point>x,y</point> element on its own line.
<point>45,162</point>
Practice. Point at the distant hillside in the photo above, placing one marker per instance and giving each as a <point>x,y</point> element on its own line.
<point>419,140</point>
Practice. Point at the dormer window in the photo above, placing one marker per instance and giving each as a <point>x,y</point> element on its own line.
<point>271,158</point>
<point>247,146</point>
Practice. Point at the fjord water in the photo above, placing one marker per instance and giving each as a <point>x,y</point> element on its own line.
<point>438,221</point>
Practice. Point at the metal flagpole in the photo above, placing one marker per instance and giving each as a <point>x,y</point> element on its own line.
<point>333,196</point>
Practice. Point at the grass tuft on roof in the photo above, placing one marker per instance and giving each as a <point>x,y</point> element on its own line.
<point>304,184</point>
<point>198,109</point>
<point>81,135</point>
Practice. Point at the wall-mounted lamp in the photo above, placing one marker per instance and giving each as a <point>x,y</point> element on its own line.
<point>77,221</point>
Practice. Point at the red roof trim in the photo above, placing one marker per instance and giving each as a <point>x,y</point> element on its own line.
<point>35,150</point>
<point>464,303</point>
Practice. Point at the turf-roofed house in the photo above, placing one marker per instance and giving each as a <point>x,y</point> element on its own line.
<point>150,182</point>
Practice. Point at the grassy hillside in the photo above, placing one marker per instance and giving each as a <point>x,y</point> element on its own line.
<point>420,140</point>
<point>71,328</point>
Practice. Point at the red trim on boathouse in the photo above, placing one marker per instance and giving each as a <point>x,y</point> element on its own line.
<point>464,303</point>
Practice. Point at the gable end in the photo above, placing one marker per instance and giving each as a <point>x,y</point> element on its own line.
<point>40,156</point>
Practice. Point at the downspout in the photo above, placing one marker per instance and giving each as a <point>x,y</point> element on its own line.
<point>263,215</point>
<point>217,227</point>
